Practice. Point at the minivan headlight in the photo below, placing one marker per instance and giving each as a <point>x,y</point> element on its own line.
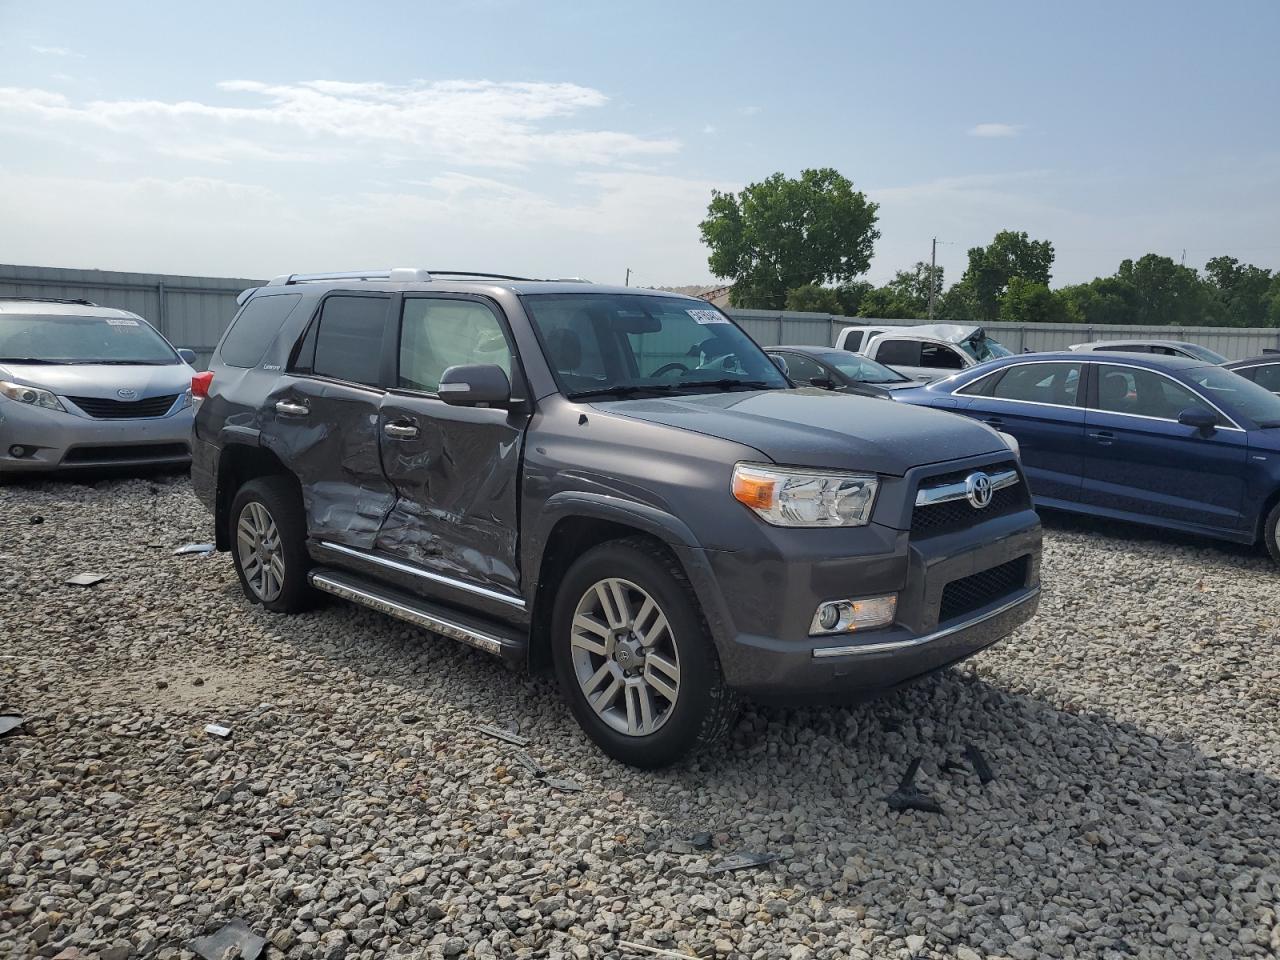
<point>32,396</point>
<point>787,497</point>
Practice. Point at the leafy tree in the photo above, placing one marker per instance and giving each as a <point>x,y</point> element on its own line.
<point>784,233</point>
<point>1243,290</point>
<point>1105,300</point>
<point>1009,255</point>
<point>1026,301</point>
<point>812,298</point>
<point>884,303</point>
<point>1167,293</point>
<point>851,295</point>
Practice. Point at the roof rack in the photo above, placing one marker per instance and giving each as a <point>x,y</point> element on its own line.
<point>404,275</point>
<point>77,301</point>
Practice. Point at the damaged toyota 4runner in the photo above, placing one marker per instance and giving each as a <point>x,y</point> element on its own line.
<point>617,484</point>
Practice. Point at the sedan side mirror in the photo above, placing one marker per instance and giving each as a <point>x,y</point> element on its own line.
<point>779,361</point>
<point>1203,420</point>
<point>475,385</point>
<point>824,382</point>
<point>188,356</point>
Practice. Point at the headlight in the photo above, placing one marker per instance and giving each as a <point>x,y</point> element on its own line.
<point>32,396</point>
<point>786,497</point>
<point>186,400</point>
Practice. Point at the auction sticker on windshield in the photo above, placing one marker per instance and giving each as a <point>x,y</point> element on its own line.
<point>121,323</point>
<point>707,316</point>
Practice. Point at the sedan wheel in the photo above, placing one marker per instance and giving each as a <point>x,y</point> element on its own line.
<point>625,657</point>
<point>259,551</point>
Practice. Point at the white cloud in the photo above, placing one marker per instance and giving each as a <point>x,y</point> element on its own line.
<point>709,129</point>
<point>749,111</point>
<point>55,51</point>
<point>478,123</point>
<point>995,130</point>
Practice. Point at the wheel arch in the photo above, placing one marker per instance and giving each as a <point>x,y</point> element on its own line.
<point>239,463</point>
<point>572,523</point>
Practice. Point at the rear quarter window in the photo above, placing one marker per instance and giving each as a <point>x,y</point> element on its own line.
<point>254,329</point>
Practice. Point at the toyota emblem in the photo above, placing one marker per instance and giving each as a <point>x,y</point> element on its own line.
<point>124,393</point>
<point>977,487</point>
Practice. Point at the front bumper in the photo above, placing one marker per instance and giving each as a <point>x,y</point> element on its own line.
<point>767,605</point>
<point>67,441</point>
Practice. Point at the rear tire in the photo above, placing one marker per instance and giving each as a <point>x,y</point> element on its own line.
<point>268,545</point>
<point>634,657</point>
<point>1271,533</point>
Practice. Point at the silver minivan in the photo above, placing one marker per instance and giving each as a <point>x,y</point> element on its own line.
<point>88,386</point>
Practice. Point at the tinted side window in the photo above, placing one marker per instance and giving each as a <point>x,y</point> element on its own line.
<point>349,339</point>
<point>984,386</point>
<point>853,341</point>
<point>255,328</point>
<point>1143,393</point>
<point>939,357</point>
<point>1054,383</point>
<point>1127,348</point>
<point>903,352</point>
<point>1267,377</point>
<point>436,334</point>
<point>802,369</point>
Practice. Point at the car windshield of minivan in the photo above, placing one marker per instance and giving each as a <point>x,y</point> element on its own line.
<point>1232,390</point>
<point>79,340</point>
<point>864,369</point>
<point>1203,353</point>
<point>982,348</point>
<point>629,345</point>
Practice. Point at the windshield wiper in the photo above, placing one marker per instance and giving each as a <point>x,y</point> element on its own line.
<point>118,363</point>
<point>726,383</point>
<point>622,390</point>
<point>30,360</point>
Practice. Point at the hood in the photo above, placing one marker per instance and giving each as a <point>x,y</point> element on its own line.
<point>820,428</point>
<point>101,379</point>
<point>950,332</point>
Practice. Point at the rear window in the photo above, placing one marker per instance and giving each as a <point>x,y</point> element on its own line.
<point>347,340</point>
<point>255,328</point>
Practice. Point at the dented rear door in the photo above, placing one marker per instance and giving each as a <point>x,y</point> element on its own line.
<point>455,470</point>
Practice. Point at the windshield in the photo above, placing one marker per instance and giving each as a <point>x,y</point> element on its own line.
<point>1236,393</point>
<point>62,339</point>
<point>863,369</point>
<point>982,348</point>
<point>1203,353</point>
<point>628,344</point>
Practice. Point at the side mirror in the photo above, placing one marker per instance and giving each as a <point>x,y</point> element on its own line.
<point>823,382</point>
<point>475,385</point>
<point>1200,418</point>
<point>779,361</point>
<point>188,356</point>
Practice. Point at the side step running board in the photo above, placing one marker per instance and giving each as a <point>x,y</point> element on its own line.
<point>491,638</point>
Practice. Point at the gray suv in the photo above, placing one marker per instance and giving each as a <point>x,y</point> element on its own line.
<point>618,484</point>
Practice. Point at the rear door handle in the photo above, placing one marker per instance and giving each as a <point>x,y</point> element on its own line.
<point>1104,437</point>
<point>400,431</point>
<point>291,409</point>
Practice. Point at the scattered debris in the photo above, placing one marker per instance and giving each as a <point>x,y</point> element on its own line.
<point>741,861</point>
<point>500,734</point>
<point>217,730</point>
<point>85,579</point>
<point>10,722</point>
<point>539,773</point>
<point>980,765</point>
<point>37,519</point>
<point>658,951</point>
<point>907,797</point>
<point>204,549</point>
<point>235,941</point>
<point>701,841</point>
<point>563,785</point>
<point>530,764</point>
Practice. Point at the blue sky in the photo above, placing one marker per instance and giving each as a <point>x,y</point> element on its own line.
<point>574,138</point>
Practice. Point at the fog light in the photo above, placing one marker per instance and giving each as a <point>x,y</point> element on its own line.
<point>846,616</point>
<point>18,451</point>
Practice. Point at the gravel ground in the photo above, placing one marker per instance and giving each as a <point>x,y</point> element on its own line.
<point>356,811</point>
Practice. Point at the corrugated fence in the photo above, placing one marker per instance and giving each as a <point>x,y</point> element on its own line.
<point>193,312</point>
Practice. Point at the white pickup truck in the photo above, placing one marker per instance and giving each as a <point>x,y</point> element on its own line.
<point>925,352</point>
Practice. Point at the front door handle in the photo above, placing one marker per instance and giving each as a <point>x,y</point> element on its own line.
<point>401,431</point>
<point>1104,437</point>
<point>291,409</point>
<point>993,422</point>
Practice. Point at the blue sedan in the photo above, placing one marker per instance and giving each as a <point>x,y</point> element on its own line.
<point>1167,441</point>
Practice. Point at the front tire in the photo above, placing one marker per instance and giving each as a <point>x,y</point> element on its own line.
<point>268,545</point>
<point>634,657</point>
<point>1271,533</point>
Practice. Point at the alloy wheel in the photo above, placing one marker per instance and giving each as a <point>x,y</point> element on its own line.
<point>259,551</point>
<point>624,657</point>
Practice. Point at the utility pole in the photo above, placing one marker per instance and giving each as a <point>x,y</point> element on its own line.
<point>933,273</point>
<point>627,282</point>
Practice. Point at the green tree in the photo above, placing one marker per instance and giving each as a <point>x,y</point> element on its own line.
<point>1243,290</point>
<point>1104,300</point>
<point>1027,301</point>
<point>784,233</point>
<point>1167,292</point>
<point>991,268</point>
<point>812,298</point>
<point>851,295</point>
